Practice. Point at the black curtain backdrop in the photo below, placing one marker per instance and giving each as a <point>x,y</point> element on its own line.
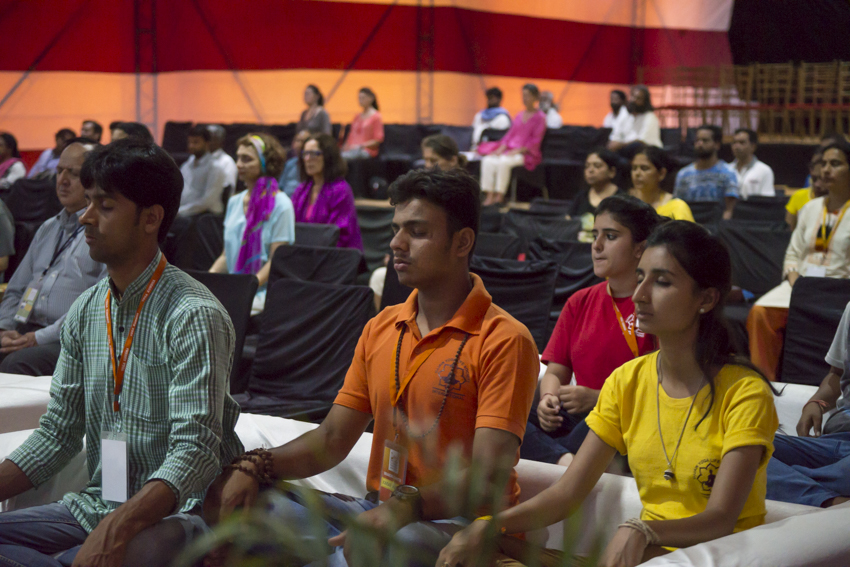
<point>778,31</point>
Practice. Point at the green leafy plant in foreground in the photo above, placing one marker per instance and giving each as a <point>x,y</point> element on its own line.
<point>258,538</point>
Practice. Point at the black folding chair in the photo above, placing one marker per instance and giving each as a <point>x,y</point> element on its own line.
<point>575,269</point>
<point>236,293</point>
<point>495,245</point>
<point>760,209</point>
<point>523,289</point>
<point>316,234</point>
<point>316,264</point>
<point>209,230</point>
<point>306,344</point>
<point>757,250</point>
<point>529,226</point>
<point>376,232</point>
<point>706,212</point>
<point>551,206</point>
<point>394,292</point>
<point>491,219</point>
<point>30,202</point>
<point>813,317</point>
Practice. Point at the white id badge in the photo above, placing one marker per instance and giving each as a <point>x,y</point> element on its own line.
<point>813,271</point>
<point>113,459</point>
<point>28,302</point>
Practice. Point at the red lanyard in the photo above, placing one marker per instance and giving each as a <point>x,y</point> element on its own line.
<point>628,333</point>
<point>118,370</point>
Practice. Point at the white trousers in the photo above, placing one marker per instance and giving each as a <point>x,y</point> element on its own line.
<point>496,172</point>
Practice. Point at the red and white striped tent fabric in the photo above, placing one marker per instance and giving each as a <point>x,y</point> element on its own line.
<point>248,61</point>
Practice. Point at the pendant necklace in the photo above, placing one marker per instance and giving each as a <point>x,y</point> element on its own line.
<point>669,474</point>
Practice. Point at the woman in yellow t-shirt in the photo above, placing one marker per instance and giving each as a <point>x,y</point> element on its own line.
<point>649,168</point>
<point>696,423</point>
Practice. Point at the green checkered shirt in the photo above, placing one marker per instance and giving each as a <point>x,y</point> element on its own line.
<point>175,407</point>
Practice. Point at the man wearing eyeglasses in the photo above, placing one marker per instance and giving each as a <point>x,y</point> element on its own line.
<point>57,268</point>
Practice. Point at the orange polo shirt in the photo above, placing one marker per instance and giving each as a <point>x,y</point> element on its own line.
<point>493,385</point>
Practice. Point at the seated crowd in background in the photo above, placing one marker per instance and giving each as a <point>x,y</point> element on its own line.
<point>819,247</point>
<point>11,166</point>
<point>45,165</point>
<point>494,117</point>
<point>520,146</point>
<point>656,323</point>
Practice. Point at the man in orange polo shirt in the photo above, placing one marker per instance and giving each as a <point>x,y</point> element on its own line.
<point>445,369</point>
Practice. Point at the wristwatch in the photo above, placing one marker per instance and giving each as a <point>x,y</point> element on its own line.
<point>410,494</point>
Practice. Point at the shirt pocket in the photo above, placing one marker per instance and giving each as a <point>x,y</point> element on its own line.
<point>145,392</point>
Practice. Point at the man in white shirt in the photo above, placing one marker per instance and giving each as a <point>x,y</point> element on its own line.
<point>203,179</point>
<point>222,158</point>
<point>547,105</point>
<point>641,126</point>
<point>619,111</point>
<point>755,178</point>
<point>494,116</point>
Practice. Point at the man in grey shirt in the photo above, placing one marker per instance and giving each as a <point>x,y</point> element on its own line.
<point>203,179</point>
<point>55,271</point>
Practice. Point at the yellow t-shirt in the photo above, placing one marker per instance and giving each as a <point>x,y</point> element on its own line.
<point>676,209</point>
<point>798,199</point>
<point>743,414</point>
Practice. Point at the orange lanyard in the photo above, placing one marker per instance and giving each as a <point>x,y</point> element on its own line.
<point>118,370</point>
<point>822,243</point>
<point>628,333</point>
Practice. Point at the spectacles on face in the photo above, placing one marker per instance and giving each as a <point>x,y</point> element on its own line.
<point>314,154</point>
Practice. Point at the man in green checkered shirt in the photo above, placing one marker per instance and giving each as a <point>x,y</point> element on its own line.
<point>173,412</point>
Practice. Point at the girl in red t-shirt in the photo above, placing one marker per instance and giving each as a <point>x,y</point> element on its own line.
<point>595,333</point>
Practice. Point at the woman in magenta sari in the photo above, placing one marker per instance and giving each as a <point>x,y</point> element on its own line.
<point>520,146</point>
<point>324,196</point>
<point>11,166</point>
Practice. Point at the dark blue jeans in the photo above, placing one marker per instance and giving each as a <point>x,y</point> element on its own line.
<point>421,541</point>
<point>809,470</point>
<point>549,446</point>
<point>50,536</point>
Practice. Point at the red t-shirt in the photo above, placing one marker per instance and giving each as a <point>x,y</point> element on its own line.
<point>588,339</point>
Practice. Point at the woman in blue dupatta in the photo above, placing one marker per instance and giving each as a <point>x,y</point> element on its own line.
<point>260,218</point>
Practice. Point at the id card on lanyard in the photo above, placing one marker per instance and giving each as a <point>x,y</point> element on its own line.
<point>113,444</point>
<point>629,333</point>
<point>33,290</point>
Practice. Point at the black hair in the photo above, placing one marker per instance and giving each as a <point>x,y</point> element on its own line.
<point>141,171</point>
<point>656,156</point>
<point>65,132</point>
<point>369,92</point>
<point>445,147</point>
<point>716,132</point>
<point>646,107</point>
<point>318,93</point>
<point>493,91</point>
<point>532,88</point>
<point>135,130</point>
<point>11,143</point>
<point>98,129</point>
<point>751,134</point>
<point>621,94</point>
<point>198,131</point>
<point>706,259</point>
<point>115,124</point>
<point>841,145</point>
<point>455,191</point>
<point>639,217</point>
<point>83,141</point>
<point>610,158</point>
